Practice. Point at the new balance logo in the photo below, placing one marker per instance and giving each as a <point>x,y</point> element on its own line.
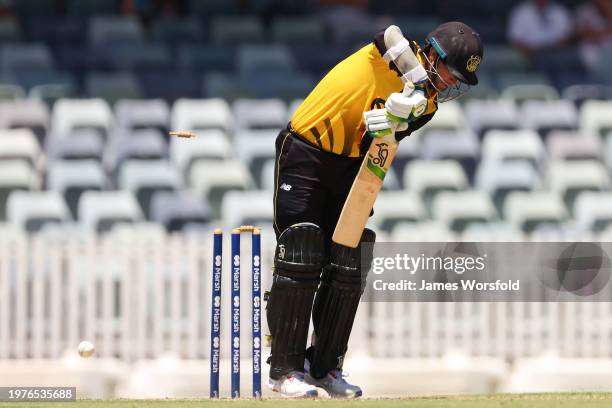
<point>286,187</point>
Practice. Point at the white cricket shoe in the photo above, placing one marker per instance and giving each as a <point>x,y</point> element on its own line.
<point>334,383</point>
<point>293,385</point>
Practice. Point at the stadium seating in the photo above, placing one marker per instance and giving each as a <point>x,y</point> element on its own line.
<point>70,114</point>
<point>15,175</point>
<point>482,116</point>
<point>187,115</point>
<point>513,145</point>
<point>595,117</point>
<point>592,210</point>
<point>20,144</point>
<point>143,114</point>
<point>32,211</point>
<point>247,208</point>
<point>458,210</point>
<point>177,211</point>
<point>72,177</point>
<point>531,210</point>
<point>260,114</point>
<point>568,145</point>
<point>100,211</point>
<point>498,179</point>
<point>570,178</point>
<point>211,144</point>
<point>146,177</point>
<point>76,145</point>
<point>429,177</point>
<point>30,114</point>
<point>256,147</point>
<point>114,30</point>
<point>462,147</point>
<point>395,207</point>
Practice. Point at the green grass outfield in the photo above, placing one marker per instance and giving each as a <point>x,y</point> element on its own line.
<point>491,401</point>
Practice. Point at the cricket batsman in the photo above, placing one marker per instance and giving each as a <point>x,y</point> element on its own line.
<point>318,157</point>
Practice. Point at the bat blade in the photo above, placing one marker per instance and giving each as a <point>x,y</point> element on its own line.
<point>364,191</point>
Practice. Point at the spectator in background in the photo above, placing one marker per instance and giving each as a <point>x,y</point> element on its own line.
<point>594,28</point>
<point>539,24</point>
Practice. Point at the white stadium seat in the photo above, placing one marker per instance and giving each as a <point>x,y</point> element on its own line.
<point>201,114</point>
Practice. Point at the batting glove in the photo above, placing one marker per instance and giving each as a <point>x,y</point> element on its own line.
<point>378,124</point>
<point>401,108</point>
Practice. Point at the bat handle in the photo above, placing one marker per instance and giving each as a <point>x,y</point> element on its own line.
<point>408,88</point>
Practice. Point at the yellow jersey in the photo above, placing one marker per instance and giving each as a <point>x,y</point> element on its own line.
<point>331,116</point>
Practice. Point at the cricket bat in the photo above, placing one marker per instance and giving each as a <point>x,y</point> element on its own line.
<point>377,160</point>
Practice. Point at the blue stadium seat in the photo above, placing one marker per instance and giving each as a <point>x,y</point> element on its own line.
<point>204,58</point>
<point>208,8</point>
<point>113,86</point>
<point>416,28</point>
<point>170,86</point>
<point>140,58</point>
<point>80,60</point>
<point>113,30</point>
<point>52,92</point>
<point>298,30</point>
<point>235,30</point>
<point>284,85</point>
<point>30,57</point>
<point>227,86</point>
<point>29,80</point>
<point>503,58</point>
<point>56,31</point>
<point>27,9</point>
<point>264,58</point>
<point>174,31</point>
<point>318,59</point>
<point>84,8</point>
<point>10,31</point>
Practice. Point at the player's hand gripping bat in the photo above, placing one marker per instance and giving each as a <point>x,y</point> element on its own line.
<point>378,158</point>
